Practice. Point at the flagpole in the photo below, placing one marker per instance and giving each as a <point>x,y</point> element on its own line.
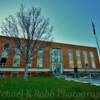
<point>97,43</point>
<point>94,32</point>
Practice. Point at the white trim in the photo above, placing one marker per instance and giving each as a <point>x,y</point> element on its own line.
<point>43,69</point>
<point>97,70</point>
<point>22,69</point>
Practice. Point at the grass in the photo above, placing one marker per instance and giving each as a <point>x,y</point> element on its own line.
<point>46,88</point>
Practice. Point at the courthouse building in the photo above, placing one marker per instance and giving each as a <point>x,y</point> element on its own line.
<point>57,57</point>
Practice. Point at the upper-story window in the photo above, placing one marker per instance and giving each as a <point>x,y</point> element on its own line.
<point>71,60</point>
<point>92,59</point>
<point>79,65</point>
<point>40,57</point>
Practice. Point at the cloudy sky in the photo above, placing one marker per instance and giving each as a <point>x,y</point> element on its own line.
<point>71,18</point>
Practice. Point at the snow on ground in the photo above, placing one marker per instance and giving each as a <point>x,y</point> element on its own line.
<point>82,80</point>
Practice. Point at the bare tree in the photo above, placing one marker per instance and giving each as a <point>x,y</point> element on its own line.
<point>27,29</point>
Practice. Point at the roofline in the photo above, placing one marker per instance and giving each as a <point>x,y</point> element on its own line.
<point>55,42</point>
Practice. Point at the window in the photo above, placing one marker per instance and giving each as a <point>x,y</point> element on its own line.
<point>14,74</point>
<point>56,61</point>
<point>3,61</point>
<point>16,61</point>
<point>4,55</point>
<point>28,74</point>
<point>70,54</point>
<point>1,74</point>
<point>92,59</point>
<point>56,56</point>
<point>79,65</point>
<point>40,57</point>
<point>6,46</point>
<point>17,50</point>
<point>5,50</point>
<point>29,62</point>
<point>85,57</point>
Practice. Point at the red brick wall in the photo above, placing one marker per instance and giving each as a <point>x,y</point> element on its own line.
<point>7,74</point>
<point>65,58</point>
<point>21,74</point>
<point>22,62</point>
<point>82,59</point>
<point>46,62</point>
<point>1,48</point>
<point>46,57</point>
<point>34,59</point>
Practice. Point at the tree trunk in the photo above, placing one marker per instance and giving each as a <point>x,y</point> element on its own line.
<point>26,71</point>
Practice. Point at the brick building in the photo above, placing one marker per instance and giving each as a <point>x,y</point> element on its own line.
<point>57,57</point>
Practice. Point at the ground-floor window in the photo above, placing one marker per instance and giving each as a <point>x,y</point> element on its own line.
<point>1,74</point>
<point>3,61</point>
<point>14,74</point>
<point>29,74</point>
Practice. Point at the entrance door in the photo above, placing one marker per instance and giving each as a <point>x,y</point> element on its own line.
<point>56,61</point>
<point>57,69</point>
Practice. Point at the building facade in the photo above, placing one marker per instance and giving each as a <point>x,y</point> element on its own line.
<point>55,58</point>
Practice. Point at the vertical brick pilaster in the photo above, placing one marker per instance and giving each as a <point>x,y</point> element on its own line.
<point>1,47</point>
<point>65,58</point>
<point>89,59</point>
<point>74,57</point>
<point>22,62</point>
<point>10,58</point>
<point>82,58</point>
<point>46,57</point>
<point>34,59</point>
<point>96,58</point>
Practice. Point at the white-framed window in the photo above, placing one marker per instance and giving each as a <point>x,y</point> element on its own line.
<point>4,55</point>
<point>56,60</point>
<point>1,74</point>
<point>71,60</point>
<point>78,57</point>
<point>92,59</point>
<point>40,57</point>
<point>56,56</point>
<point>16,61</point>
<point>85,57</point>
<point>5,50</point>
